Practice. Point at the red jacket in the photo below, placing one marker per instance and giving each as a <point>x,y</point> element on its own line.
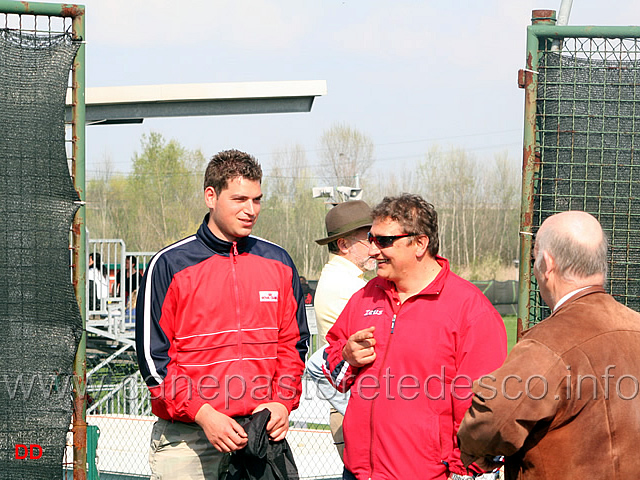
<point>406,407</point>
<point>220,323</point>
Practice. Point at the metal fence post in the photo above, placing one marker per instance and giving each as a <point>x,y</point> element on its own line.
<point>93,435</point>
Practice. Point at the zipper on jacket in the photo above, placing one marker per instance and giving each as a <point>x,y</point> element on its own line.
<point>384,361</point>
<point>232,256</point>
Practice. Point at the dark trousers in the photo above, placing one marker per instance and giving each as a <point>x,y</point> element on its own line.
<point>347,475</point>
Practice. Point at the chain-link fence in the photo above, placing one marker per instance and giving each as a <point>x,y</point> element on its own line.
<point>581,133</point>
<point>120,408</point>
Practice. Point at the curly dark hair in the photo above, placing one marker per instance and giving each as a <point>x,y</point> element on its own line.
<point>228,165</point>
<point>414,214</point>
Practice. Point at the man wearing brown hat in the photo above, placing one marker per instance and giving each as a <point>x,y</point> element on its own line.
<point>347,226</point>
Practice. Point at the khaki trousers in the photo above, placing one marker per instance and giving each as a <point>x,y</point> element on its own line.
<point>181,451</point>
<point>335,423</point>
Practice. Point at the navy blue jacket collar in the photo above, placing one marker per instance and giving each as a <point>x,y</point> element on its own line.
<point>216,244</point>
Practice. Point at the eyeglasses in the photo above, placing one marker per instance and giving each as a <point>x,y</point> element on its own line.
<point>386,241</point>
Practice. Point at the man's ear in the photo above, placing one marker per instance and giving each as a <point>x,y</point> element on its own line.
<point>549,264</point>
<point>210,197</point>
<point>422,245</point>
<point>343,245</point>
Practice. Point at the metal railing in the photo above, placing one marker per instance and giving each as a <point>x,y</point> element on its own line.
<point>113,277</point>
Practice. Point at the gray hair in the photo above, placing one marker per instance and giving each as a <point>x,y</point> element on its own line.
<point>414,214</point>
<point>574,260</point>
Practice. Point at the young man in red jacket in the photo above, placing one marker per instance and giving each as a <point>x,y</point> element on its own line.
<point>409,345</point>
<point>221,330</point>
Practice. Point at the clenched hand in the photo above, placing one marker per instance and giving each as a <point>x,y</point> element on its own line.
<point>359,349</point>
<point>224,433</point>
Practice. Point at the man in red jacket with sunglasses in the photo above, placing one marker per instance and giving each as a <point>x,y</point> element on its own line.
<point>409,345</point>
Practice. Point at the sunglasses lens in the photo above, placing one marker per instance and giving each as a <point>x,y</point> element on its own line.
<point>385,242</point>
<point>380,242</point>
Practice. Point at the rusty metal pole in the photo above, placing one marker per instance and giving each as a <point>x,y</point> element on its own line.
<point>528,79</point>
<point>79,249</point>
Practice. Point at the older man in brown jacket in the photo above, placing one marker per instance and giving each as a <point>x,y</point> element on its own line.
<point>566,403</point>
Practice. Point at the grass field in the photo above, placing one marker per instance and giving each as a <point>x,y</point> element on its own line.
<point>510,323</point>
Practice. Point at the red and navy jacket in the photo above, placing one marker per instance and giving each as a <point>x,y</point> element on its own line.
<point>220,323</point>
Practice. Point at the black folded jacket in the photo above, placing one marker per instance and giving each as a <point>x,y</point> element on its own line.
<point>261,458</point>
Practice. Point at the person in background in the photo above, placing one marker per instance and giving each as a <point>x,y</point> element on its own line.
<point>307,291</point>
<point>347,226</point>
<point>565,403</point>
<point>97,278</point>
<point>221,331</point>
<point>408,345</point>
<point>131,277</point>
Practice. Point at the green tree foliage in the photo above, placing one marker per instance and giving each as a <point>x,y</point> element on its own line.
<point>161,200</point>
<point>158,203</point>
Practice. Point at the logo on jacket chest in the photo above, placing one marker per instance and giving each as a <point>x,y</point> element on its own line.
<point>375,311</point>
<point>269,296</point>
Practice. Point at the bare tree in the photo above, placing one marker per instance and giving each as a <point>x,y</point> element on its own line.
<point>98,211</point>
<point>290,216</point>
<point>160,201</point>
<point>504,190</point>
<point>346,153</point>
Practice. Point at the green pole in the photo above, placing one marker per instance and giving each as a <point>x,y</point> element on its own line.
<point>93,434</point>
<point>529,165</point>
<point>550,31</point>
<point>79,252</point>
<point>41,8</point>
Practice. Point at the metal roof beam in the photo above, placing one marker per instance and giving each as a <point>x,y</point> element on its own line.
<point>112,105</point>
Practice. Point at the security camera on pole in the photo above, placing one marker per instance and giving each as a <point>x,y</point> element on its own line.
<point>336,195</point>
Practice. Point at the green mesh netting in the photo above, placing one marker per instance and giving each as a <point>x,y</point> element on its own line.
<point>40,323</point>
<point>588,115</point>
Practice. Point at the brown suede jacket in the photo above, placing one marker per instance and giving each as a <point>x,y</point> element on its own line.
<point>566,402</point>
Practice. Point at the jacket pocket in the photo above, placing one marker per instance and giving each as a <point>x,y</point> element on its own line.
<point>431,434</point>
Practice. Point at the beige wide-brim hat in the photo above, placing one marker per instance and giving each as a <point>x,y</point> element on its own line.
<point>344,219</point>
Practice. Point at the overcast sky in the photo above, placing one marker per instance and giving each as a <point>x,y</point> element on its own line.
<point>409,74</point>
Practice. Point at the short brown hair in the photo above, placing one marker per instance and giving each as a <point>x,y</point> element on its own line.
<point>230,164</point>
<point>414,214</point>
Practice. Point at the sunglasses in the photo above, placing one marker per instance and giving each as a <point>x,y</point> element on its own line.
<point>386,241</point>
